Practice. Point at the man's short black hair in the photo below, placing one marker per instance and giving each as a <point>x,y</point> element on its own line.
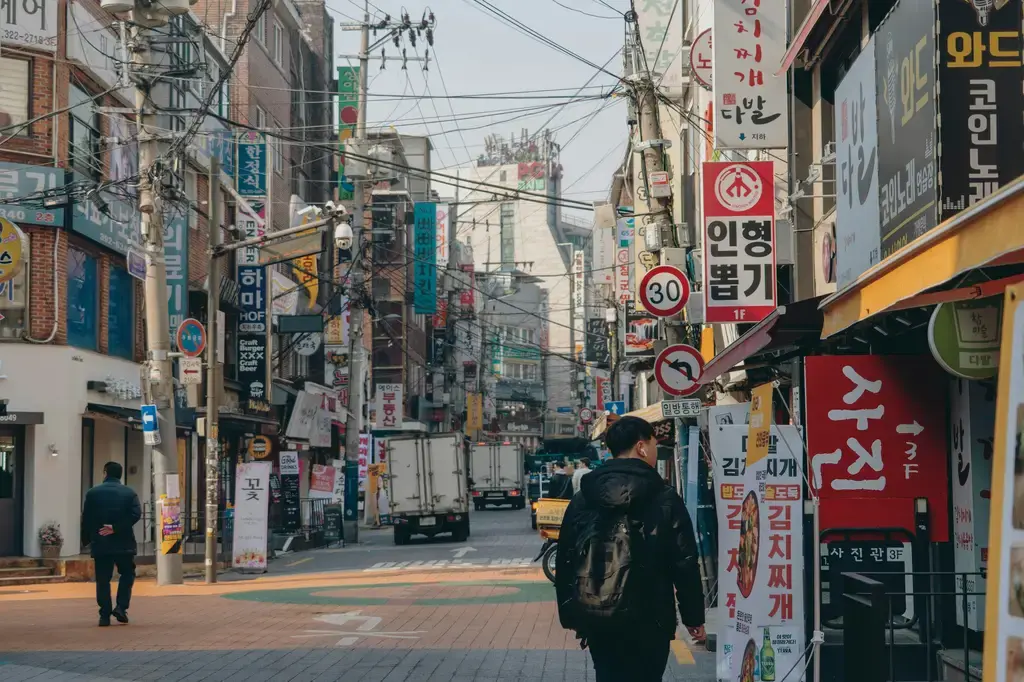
<point>585,461</point>
<point>113,470</point>
<point>626,433</point>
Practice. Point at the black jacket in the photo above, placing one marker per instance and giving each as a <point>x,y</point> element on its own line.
<point>110,503</point>
<point>632,484</point>
<point>560,486</point>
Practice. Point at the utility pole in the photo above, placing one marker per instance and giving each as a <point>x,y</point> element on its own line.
<point>452,319</point>
<point>158,374</point>
<point>212,374</point>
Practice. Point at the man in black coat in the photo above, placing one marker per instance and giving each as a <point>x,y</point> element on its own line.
<point>662,559</point>
<point>560,483</point>
<point>109,514</point>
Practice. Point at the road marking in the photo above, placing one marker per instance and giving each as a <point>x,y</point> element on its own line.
<point>682,652</point>
<point>365,629</point>
<point>300,561</point>
<point>462,551</point>
<point>463,564</point>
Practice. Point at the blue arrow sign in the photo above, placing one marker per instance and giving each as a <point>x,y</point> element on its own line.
<point>617,407</point>
<point>149,423</point>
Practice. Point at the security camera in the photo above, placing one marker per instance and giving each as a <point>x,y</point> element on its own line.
<point>343,236</point>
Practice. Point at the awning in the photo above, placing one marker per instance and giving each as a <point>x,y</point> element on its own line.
<point>788,326</point>
<point>651,413</point>
<point>988,233</point>
<point>817,9</point>
<point>122,416</point>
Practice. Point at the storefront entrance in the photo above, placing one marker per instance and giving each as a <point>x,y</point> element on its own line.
<point>12,490</point>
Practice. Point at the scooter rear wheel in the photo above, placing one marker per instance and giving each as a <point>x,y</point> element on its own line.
<point>548,561</point>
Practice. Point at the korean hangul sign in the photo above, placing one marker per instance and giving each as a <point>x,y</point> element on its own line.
<point>466,298</point>
<point>701,58</point>
<point>364,458</point>
<point>20,180</point>
<point>252,164</point>
<point>660,23</point>
<point>751,103</point>
<point>348,116</point>
<point>252,323</point>
<point>176,258</point>
<point>443,246</point>
<point>30,23</point>
<point>980,72</point>
<point>252,509</point>
<point>905,76</point>
<point>625,235</point>
<point>876,441</point>
<point>739,241</point>
<point>389,406</point>
<point>425,255</point>
<point>760,553</point>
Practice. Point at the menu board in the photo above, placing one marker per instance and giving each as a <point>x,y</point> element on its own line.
<point>290,516</point>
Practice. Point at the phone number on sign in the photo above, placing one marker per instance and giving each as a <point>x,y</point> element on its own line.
<point>20,215</point>
<point>28,38</point>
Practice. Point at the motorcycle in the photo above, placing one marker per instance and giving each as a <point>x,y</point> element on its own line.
<point>549,521</point>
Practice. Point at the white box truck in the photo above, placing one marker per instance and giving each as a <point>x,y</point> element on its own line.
<point>496,470</point>
<point>428,486</point>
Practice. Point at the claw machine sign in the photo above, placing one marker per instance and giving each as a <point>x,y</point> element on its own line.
<point>751,104</point>
<point>876,441</point>
<point>739,239</point>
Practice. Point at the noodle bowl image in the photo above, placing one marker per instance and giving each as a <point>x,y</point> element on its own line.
<point>748,664</point>
<point>746,556</point>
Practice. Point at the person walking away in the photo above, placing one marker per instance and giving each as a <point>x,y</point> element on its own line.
<point>584,468</point>
<point>109,515</point>
<point>560,484</point>
<point>626,545</point>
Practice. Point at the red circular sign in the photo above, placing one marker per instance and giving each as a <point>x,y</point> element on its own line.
<point>191,338</point>
<point>664,291</point>
<point>678,369</point>
<point>586,415</point>
<point>700,58</point>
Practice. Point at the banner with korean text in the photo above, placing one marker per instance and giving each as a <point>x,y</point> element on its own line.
<point>739,241</point>
<point>252,509</point>
<point>751,103</point>
<point>252,323</point>
<point>348,116</point>
<point>760,555</point>
<point>389,406</point>
<point>424,270</point>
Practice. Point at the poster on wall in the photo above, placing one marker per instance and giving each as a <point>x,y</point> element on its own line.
<point>252,509</point>
<point>739,241</point>
<point>875,441</point>
<point>760,554</point>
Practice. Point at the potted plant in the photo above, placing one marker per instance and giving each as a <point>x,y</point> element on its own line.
<point>50,540</point>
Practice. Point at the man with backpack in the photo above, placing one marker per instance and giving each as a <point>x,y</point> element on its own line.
<point>626,544</point>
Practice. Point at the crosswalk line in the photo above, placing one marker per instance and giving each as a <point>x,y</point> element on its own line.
<point>439,564</point>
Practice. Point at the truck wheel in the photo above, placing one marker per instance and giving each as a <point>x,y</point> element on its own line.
<point>401,536</point>
<point>461,534</point>
<point>479,506</point>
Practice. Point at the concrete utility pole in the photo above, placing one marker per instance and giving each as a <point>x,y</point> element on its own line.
<point>212,373</point>
<point>158,373</point>
<point>452,319</point>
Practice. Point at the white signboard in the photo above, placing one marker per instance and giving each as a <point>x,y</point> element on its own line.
<point>858,234</point>
<point>579,309</point>
<point>303,416</point>
<point>389,406</point>
<point>288,463</point>
<point>93,45</point>
<point>443,247</point>
<point>760,554</point>
<point>252,508</point>
<point>29,23</point>
<point>284,294</point>
<point>751,103</point>
<point>661,33</point>
<point>671,409</point>
<point>190,371</point>
<point>307,344</point>
<point>624,260</point>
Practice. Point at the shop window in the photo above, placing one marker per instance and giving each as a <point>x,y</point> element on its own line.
<point>83,299</point>
<point>120,314</point>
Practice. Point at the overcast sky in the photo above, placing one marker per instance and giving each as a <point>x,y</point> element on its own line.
<point>475,53</point>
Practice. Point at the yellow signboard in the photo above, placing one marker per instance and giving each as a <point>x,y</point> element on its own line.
<point>259,447</point>
<point>13,250</point>
<point>306,272</point>
<point>759,431</point>
<point>474,412</point>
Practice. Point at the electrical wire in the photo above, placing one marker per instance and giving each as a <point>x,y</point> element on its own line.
<point>579,11</point>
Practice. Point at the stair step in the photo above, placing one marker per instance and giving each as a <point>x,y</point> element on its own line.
<point>19,562</point>
<point>34,580</point>
<point>25,572</point>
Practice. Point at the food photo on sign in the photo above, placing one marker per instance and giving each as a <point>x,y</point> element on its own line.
<point>641,331</point>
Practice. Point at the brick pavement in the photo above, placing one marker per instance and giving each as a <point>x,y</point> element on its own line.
<point>488,626</point>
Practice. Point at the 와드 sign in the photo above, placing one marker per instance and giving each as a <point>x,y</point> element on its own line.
<point>751,103</point>
<point>980,101</point>
<point>739,241</point>
<point>760,554</point>
<point>425,254</point>
<point>905,75</point>
<point>856,127</point>
<point>252,508</point>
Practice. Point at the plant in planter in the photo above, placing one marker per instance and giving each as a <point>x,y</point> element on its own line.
<point>50,540</point>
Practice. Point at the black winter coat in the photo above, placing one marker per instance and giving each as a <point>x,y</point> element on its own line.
<point>631,484</point>
<point>110,503</point>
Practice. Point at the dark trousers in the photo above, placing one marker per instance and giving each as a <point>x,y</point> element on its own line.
<point>105,572</point>
<point>629,659</point>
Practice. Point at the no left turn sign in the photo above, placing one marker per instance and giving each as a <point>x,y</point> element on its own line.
<point>678,370</point>
<point>664,291</point>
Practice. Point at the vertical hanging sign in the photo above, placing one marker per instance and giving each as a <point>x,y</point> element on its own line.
<point>176,258</point>
<point>751,104</point>
<point>348,114</point>
<point>252,164</point>
<point>252,325</point>
<point>425,254</point>
<point>739,241</point>
<point>579,310</point>
<point>443,247</point>
<point>252,511</point>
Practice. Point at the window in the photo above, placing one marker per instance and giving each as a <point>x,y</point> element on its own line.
<point>508,244</point>
<point>120,314</point>
<point>84,152</point>
<point>278,44</point>
<point>14,91</point>
<point>261,29</point>
<point>223,101</point>
<point>83,299</point>
<point>278,152</point>
<point>261,118</point>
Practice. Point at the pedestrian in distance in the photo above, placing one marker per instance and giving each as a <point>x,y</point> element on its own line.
<point>584,468</point>
<point>109,515</point>
<point>626,544</point>
<point>560,483</point>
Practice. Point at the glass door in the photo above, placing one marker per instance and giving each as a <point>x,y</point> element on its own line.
<point>12,495</point>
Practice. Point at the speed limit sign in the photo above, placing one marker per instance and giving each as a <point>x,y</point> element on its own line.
<point>664,291</point>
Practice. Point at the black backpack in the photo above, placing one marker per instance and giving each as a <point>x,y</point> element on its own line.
<point>613,574</point>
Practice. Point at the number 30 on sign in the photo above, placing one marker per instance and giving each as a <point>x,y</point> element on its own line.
<point>664,291</point>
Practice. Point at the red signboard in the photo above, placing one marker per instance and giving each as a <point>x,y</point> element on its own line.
<point>466,295</point>
<point>876,440</point>
<point>739,241</point>
<point>441,316</point>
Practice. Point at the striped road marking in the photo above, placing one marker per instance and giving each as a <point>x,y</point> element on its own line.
<point>682,652</point>
<point>456,564</point>
<point>300,561</point>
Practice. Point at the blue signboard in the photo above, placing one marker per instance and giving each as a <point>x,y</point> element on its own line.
<point>218,142</point>
<point>252,299</point>
<point>176,258</point>
<point>252,164</point>
<point>425,254</point>
<point>149,423</point>
<point>20,180</point>
<point>564,409</point>
<point>616,407</point>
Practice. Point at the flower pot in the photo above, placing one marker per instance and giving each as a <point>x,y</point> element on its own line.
<point>51,551</point>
